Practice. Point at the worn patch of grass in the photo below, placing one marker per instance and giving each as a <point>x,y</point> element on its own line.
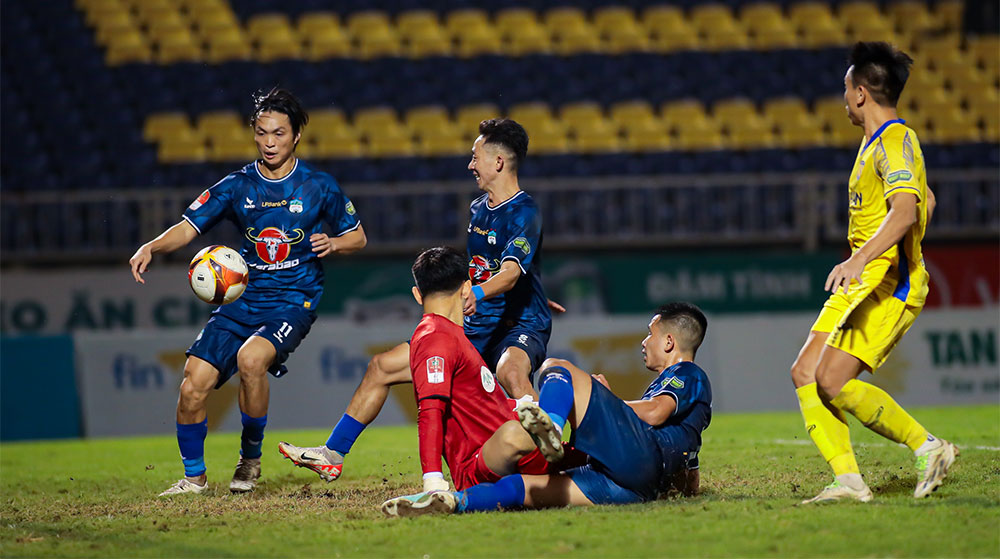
<point>97,498</point>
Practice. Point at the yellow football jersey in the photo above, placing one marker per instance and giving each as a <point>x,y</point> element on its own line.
<point>891,163</point>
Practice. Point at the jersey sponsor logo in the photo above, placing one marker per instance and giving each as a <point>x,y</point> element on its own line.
<point>480,269</point>
<point>523,339</point>
<point>200,201</point>
<point>855,199</point>
<point>435,370</point>
<point>478,230</point>
<point>523,244</point>
<point>273,244</point>
<point>897,176</point>
<point>279,204</point>
<point>249,205</point>
<point>349,208</point>
<point>491,237</point>
<point>672,382</point>
<point>295,206</point>
<point>489,383</point>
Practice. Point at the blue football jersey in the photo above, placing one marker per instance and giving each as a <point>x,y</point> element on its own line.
<point>510,231</point>
<point>276,219</point>
<point>690,388</point>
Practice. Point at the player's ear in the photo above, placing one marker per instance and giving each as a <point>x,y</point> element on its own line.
<point>671,343</point>
<point>297,138</point>
<point>500,163</point>
<point>466,289</point>
<point>417,296</point>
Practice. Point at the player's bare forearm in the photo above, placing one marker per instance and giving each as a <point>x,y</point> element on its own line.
<point>502,281</point>
<point>654,411</point>
<point>931,204</point>
<point>352,242</point>
<point>175,237</point>
<point>902,215</point>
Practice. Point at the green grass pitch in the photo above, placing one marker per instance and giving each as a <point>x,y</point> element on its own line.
<point>97,498</point>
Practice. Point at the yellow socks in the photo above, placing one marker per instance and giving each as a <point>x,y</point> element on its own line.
<point>880,413</point>
<point>828,430</point>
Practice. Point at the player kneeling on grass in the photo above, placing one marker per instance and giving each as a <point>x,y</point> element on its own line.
<point>636,449</point>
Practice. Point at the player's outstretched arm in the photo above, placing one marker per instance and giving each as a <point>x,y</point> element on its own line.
<point>931,204</point>
<point>347,243</point>
<point>902,215</point>
<point>177,236</point>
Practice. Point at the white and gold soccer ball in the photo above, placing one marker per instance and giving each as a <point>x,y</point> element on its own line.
<point>218,275</point>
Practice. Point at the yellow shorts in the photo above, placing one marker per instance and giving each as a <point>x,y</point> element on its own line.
<point>869,321</point>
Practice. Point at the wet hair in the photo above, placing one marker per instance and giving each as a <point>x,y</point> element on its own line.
<point>280,101</point>
<point>440,270</point>
<point>882,68</point>
<point>508,134</point>
<point>686,322</point>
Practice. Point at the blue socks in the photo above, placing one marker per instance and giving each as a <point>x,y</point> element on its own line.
<point>344,434</point>
<point>253,435</point>
<point>506,493</point>
<point>191,440</point>
<point>556,395</point>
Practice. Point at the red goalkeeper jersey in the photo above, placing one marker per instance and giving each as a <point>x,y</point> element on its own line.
<point>447,369</point>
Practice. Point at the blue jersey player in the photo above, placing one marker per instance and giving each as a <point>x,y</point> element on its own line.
<point>637,450</point>
<point>507,316</point>
<point>280,205</point>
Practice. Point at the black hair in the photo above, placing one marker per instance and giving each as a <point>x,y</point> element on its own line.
<point>882,68</point>
<point>507,133</point>
<point>280,101</point>
<point>440,270</point>
<point>687,323</point>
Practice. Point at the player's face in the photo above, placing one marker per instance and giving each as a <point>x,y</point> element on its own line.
<point>654,347</point>
<point>851,93</point>
<point>274,138</point>
<point>483,163</point>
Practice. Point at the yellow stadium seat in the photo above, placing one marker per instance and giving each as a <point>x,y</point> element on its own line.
<point>313,23</point>
<point>564,17</point>
<point>372,119</point>
<point>232,149</point>
<point>164,125</point>
<point>632,114</point>
<point>647,137</point>
<point>511,20</point>
<point>767,27</point>
<point>221,123</point>
<point>442,143</point>
<point>804,14</point>
<point>576,40</point>
<point>228,46</point>
<point>802,134</point>
<point>611,18</point>
<point>785,109</point>
<point>704,15</point>
<point>751,132</point>
<point>478,41</point>
<point>597,137</point>
<point>468,117</point>
<point>365,22</point>
<point>820,35</point>
<point>344,143</point>
<point>415,23</point>
<point>189,150</point>
<point>983,105</point>
<point>460,22</point>
<point>583,110</point>
<point>152,13</point>
<point>717,28</point>
<point>161,28</point>
<point>682,38</point>
<point>985,51</point>
<point>326,122</point>
<point>628,38</point>
<point>432,117</point>
<point>98,12</point>
<point>222,21</point>
<point>940,47</point>
<point>697,136</point>
<point>278,47</point>
<point>910,16</point>
<point>952,125</point>
<point>733,109</point>
<point>264,26</point>
<point>109,27</point>
<point>433,43</point>
<point>535,117</point>
<point>178,47</point>
<point>528,40</point>
<point>127,48</point>
<point>960,78</point>
<point>663,19</point>
<point>390,143</point>
<point>831,113</point>
<point>676,114</point>
<point>547,140</point>
<point>326,43</point>
<point>378,42</point>
<point>199,8</point>
<point>949,14</point>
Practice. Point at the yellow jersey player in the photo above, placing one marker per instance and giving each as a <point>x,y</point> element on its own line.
<point>878,292</point>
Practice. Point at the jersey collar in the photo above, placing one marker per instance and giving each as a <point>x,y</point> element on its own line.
<point>501,204</point>
<point>275,181</point>
<point>882,129</point>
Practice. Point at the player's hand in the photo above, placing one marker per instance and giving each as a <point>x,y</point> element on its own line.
<point>436,484</point>
<point>139,262</point>
<point>556,307</point>
<point>843,273</point>
<point>600,378</point>
<point>470,305</point>
<point>322,244</point>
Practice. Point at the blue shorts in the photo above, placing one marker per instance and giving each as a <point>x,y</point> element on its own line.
<point>221,339</point>
<point>491,343</point>
<point>626,463</point>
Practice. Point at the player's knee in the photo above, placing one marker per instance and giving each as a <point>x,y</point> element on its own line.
<point>555,367</point>
<point>252,363</point>
<point>553,362</point>
<point>515,439</point>
<point>827,384</point>
<point>376,370</point>
<point>802,374</point>
<point>192,393</point>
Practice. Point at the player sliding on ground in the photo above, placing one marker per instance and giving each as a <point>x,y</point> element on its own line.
<point>636,449</point>
<point>507,315</point>
<point>280,204</point>
<point>878,292</point>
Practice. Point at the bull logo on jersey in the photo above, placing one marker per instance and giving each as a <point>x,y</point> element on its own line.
<point>273,244</point>
<point>480,269</point>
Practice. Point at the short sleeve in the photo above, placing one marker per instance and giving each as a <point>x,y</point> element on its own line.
<point>341,215</point>
<point>214,204</point>
<point>523,238</point>
<point>682,384</point>
<point>895,166</point>
<point>433,364</point>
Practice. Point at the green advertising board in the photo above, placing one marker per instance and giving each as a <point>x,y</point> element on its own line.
<point>628,282</point>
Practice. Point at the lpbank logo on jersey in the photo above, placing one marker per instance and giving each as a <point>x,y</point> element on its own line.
<point>273,246</point>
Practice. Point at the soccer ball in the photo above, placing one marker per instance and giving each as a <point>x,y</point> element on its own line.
<point>218,275</point>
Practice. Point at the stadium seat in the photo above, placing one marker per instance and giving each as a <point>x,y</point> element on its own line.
<point>429,43</point>
<point>227,46</point>
<point>681,113</point>
<point>985,52</point>
<point>717,28</point>
<point>178,47</point>
<point>438,143</point>
<point>647,136</point>
<point>223,149</point>
<point>373,119</point>
<point>620,30</point>
<point>478,41</point>
<point>113,23</point>
<point>699,135</point>
<point>177,149</point>
<point>433,117</point>
<point>532,116</point>
<point>767,27</point>
<point>831,114</point>
<point>389,142</point>
<point>949,14</point>
<point>547,139</point>
<point>312,23</point>
<point>459,22</point>
<point>326,122</point>
<point>127,48</point>
<point>341,142</point>
<point>632,114</point>
<point>369,21</point>
<point>329,42</point>
<point>564,17</point>
<point>217,124</point>
<point>911,18</point>
<point>576,40</point>
<point>378,42</point>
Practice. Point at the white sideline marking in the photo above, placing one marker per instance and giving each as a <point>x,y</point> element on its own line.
<point>803,442</point>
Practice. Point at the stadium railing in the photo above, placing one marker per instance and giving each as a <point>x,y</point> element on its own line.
<point>804,210</point>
